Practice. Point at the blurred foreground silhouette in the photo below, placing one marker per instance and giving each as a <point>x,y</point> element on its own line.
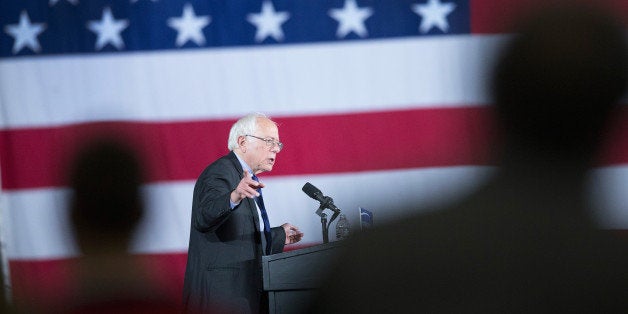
<point>106,205</point>
<point>526,241</point>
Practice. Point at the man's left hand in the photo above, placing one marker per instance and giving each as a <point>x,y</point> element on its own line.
<point>293,234</point>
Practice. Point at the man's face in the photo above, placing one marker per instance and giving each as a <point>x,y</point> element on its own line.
<point>257,153</point>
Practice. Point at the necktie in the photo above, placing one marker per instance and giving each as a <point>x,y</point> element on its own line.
<point>260,203</point>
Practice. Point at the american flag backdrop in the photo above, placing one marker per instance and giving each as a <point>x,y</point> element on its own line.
<point>376,100</point>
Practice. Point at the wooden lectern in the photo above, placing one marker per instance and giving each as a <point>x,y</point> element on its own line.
<point>292,278</point>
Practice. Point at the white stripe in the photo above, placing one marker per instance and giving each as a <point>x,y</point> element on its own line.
<point>44,229</point>
<point>37,224</point>
<point>227,83</point>
<point>609,190</point>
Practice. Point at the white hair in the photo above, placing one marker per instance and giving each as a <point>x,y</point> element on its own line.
<point>245,125</point>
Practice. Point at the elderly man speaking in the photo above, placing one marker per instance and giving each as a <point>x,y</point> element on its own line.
<point>230,230</point>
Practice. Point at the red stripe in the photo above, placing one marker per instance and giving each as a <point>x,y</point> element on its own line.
<point>45,284</point>
<point>36,285</point>
<point>339,143</point>
<point>614,149</point>
<point>494,17</point>
<point>314,144</point>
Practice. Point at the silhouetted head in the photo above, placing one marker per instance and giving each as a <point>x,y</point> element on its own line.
<point>559,78</point>
<point>106,204</point>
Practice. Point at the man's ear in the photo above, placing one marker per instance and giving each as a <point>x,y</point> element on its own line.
<point>242,143</point>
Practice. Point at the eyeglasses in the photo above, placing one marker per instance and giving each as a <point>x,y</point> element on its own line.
<point>270,143</point>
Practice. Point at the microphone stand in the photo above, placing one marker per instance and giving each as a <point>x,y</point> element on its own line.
<point>325,225</point>
<point>325,228</point>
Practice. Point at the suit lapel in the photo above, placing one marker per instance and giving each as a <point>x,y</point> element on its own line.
<point>251,203</point>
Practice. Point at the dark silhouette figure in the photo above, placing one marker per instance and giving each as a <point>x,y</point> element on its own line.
<point>526,241</point>
<point>106,205</point>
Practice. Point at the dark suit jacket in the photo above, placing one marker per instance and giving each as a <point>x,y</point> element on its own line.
<point>522,244</point>
<point>223,272</point>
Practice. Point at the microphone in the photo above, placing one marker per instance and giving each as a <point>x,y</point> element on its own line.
<point>315,193</point>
